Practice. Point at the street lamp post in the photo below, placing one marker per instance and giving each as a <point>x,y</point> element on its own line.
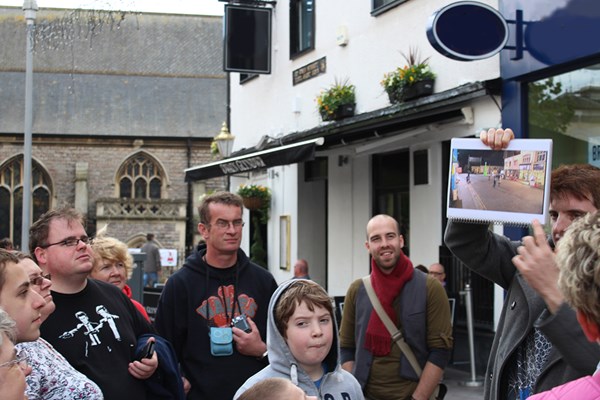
<point>30,7</point>
<point>224,142</point>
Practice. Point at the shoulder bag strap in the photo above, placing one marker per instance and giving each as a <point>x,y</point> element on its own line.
<point>395,332</point>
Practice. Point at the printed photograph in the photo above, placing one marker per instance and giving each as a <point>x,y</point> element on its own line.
<point>512,181</point>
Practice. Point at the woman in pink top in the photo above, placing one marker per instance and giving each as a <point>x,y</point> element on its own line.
<point>578,258</point>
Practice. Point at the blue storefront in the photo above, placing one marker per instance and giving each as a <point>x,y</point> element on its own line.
<point>551,75</point>
<point>550,70</point>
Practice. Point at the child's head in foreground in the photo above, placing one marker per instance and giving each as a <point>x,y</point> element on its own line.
<point>304,317</point>
<point>275,389</point>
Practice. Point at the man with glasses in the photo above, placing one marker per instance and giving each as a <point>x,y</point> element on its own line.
<point>218,286</point>
<point>60,245</point>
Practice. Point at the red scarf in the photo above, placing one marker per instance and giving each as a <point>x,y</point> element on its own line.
<point>387,287</point>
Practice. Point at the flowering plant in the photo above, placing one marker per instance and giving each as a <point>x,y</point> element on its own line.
<point>415,70</point>
<point>338,95</point>
<point>260,192</point>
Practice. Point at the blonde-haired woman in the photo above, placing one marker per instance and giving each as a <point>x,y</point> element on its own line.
<point>114,264</point>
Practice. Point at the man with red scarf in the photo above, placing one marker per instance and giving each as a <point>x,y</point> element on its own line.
<point>416,303</point>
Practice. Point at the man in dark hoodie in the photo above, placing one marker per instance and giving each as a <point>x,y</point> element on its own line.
<point>217,285</point>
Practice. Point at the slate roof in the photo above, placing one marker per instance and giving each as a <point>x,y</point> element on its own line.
<point>131,75</point>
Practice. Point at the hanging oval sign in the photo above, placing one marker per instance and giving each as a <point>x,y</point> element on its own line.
<point>467,31</point>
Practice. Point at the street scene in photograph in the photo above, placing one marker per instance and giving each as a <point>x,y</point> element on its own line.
<point>510,181</point>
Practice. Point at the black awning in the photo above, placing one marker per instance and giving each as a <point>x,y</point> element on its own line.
<point>283,155</point>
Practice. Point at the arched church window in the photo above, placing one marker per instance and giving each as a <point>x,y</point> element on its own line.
<point>140,177</point>
<point>11,196</point>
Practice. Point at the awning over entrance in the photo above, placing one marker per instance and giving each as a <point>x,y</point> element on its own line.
<point>283,155</point>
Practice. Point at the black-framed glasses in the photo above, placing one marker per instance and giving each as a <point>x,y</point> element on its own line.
<point>20,360</point>
<point>39,280</point>
<point>70,242</point>
<point>223,224</point>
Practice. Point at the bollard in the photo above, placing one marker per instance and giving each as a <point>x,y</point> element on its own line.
<point>469,308</point>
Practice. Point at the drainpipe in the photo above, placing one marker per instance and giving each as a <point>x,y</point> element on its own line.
<point>189,228</point>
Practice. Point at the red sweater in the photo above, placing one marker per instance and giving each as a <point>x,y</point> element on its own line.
<point>137,304</point>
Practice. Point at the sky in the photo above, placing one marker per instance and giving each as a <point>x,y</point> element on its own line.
<point>201,7</point>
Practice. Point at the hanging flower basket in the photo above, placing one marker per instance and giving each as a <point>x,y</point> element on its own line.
<point>253,203</point>
<point>256,198</point>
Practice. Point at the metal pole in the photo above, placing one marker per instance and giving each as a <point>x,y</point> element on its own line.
<point>469,305</point>
<point>30,7</point>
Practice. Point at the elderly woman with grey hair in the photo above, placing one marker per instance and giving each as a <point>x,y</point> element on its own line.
<point>578,258</point>
<point>12,367</point>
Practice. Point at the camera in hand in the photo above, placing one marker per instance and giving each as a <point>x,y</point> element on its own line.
<point>242,323</point>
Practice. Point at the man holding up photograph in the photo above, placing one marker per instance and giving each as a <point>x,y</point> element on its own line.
<point>539,343</point>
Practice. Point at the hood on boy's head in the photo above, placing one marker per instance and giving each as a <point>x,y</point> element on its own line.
<point>280,356</point>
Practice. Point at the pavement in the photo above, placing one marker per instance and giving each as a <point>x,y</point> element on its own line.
<point>507,195</point>
<point>455,379</point>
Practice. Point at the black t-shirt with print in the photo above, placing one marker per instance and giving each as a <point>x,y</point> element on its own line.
<point>96,330</point>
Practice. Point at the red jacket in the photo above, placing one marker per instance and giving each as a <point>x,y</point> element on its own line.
<point>137,304</point>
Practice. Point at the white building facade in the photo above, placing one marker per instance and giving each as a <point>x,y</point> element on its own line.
<point>367,163</point>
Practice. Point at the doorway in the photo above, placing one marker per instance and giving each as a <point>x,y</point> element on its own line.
<point>391,189</point>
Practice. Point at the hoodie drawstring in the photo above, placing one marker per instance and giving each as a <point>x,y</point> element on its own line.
<point>294,374</point>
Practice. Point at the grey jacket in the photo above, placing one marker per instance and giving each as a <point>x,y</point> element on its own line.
<point>152,261</point>
<point>336,384</point>
<point>490,256</point>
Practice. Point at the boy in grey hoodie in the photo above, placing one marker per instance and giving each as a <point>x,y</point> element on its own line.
<point>302,343</point>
